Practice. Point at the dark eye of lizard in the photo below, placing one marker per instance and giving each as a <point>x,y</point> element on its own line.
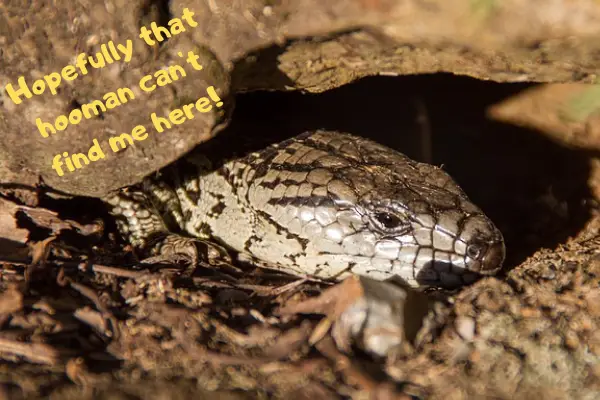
<point>387,220</point>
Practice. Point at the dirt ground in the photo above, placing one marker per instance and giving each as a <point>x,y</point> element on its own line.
<point>81,317</point>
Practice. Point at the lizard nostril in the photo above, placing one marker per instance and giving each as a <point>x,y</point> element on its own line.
<point>490,256</point>
<point>493,258</point>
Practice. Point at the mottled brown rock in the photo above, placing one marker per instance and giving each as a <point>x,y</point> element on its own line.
<point>568,113</point>
<point>45,38</point>
<point>512,41</point>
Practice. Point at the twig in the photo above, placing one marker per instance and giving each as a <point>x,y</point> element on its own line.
<point>86,266</point>
<point>91,295</point>
<point>35,352</point>
<point>116,271</point>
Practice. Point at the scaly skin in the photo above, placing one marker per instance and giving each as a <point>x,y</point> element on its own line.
<point>322,204</point>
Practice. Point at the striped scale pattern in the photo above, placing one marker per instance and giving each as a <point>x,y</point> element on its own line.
<point>323,204</point>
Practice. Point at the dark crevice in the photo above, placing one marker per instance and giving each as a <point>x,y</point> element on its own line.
<point>158,11</point>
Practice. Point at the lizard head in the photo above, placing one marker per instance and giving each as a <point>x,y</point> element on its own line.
<point>366,209</point>
<point>424,234</point>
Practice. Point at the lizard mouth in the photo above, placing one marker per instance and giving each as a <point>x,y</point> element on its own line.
<point>482,259</point>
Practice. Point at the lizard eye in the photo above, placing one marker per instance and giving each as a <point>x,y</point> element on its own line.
<point>387,221</point>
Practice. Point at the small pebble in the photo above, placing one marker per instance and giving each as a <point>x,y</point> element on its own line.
<point>465,327</point>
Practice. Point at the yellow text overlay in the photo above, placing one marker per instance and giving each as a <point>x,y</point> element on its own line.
<point>106,55</point>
